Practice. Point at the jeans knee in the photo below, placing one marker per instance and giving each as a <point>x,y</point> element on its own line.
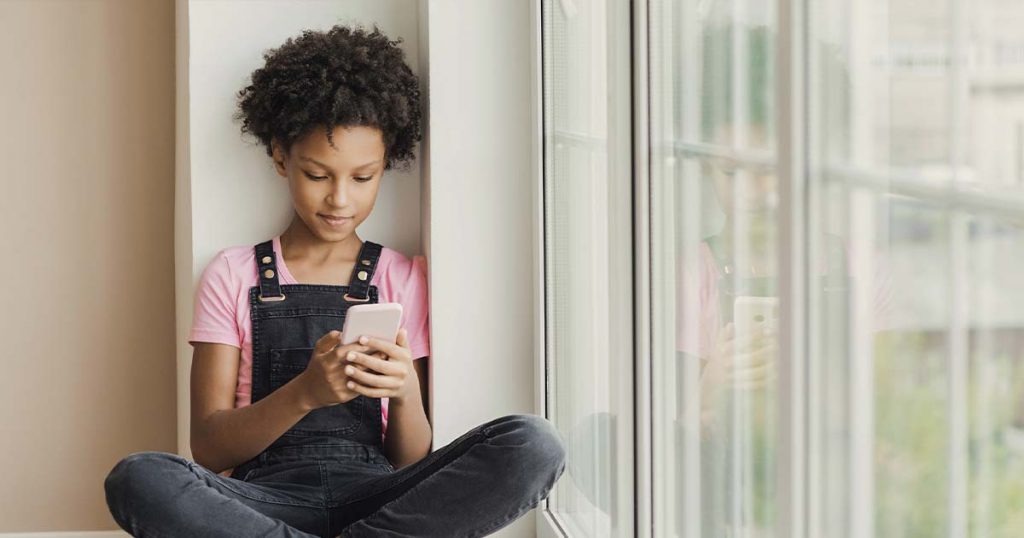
<point>540,447</point>
<point>132,478</point>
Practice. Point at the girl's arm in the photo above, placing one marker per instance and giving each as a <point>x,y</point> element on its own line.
<point>222,436</point>
<point>409,434</point>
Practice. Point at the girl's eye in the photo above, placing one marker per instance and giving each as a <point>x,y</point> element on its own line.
<point>321,178</point>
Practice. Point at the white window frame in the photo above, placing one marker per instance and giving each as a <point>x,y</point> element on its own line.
<point>800,192</point>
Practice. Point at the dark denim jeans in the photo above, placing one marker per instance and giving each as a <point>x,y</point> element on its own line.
<point>475,485</point>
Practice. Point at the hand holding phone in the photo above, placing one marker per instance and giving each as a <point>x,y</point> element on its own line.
<point>380,320</point>
<point>387,356</point>
<point>745,353</point>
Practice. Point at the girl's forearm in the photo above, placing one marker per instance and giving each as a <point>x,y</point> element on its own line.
<point>230,437</point>
<point>408,437</point>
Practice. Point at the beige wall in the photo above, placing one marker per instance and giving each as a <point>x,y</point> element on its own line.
<point>87,93</point>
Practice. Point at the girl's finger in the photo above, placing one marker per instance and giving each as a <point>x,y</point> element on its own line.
<point>764,381</point>
<point>754,379</point>
<point>755,357</point>
<point>760,346</point>
<point>747,342</point>
<point>390,349</point>
<point>327,342</point>
<point>374,363</point>
<point>341,351</point>
<point>754,373</point>
<point>371,379</point>
<point>370,392</point>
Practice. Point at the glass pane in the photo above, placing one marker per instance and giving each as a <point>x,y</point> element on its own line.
<point>915,359</point>
<point>588,246</point>
<point>995,383</point>
<point>715,267</point>
<point>917,372</point>
<point>880,378</point>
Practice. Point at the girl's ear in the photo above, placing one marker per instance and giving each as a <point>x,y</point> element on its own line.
<point>279,158</point>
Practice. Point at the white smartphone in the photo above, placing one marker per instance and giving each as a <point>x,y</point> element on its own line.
<point>749,314</point>
<point>381,320</point>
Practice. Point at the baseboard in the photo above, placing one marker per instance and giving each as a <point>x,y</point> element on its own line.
<point>69,534</point>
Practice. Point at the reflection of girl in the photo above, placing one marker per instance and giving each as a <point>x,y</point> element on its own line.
<point>717,279</point>
<point>736,424</point>
<point>277,399</point>
<point>732,479</point>
<point>713,279</point>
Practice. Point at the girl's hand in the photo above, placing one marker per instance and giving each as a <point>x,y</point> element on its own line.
<point>324,381</point>
<point>386,374</point>
<point>738,364</point>
<point>746,362</point>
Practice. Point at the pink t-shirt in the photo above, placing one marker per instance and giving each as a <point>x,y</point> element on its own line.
<point>221,307</point>
<point>698,316</point>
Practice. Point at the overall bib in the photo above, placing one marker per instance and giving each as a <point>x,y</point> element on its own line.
<point>287,320</point>
<point>328,475</point>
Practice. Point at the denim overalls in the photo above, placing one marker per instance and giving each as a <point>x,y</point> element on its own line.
<point>287,320</point>
<point>327,475</point>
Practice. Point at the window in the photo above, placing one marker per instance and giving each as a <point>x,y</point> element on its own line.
<point>589,279</point>
<point>915,370</point>
<point>715,236</point>
<point>783,244</point>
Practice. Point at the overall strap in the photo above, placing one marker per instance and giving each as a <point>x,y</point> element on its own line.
<point>266,262</point>
<point>362,273</point>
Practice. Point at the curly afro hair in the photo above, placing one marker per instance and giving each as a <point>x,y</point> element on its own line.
<point>339,77</point>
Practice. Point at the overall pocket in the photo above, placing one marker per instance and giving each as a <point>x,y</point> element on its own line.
<point>285,364</point>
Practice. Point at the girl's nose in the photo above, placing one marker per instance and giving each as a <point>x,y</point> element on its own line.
<point>338,196</point>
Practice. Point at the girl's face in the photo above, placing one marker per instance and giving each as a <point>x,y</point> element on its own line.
<point>744,187</point>
<point>340,181</point>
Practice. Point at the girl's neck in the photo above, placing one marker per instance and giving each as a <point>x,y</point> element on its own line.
<point>298,243</point>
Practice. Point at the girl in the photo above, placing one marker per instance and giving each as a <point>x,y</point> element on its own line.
<point>291,430</point>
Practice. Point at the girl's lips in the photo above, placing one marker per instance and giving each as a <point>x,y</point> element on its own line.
<point>334,223</point>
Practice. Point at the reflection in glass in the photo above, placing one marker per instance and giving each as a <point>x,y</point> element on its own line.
<point>915,317</point>
<point>588,224</point>
<point>715,236</point>
<point>917,157</point>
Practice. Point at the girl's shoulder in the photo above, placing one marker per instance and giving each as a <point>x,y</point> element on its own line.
<point>395,266</point>
<point>237,258</point>
<point>401,278</point>
<point>395,271</point>
<point>232,266</point>
<point>391,257</point>
<point>240,254</point>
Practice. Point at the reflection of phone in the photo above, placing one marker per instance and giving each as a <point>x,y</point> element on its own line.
<point>381,320</point>
<point>749,314</point>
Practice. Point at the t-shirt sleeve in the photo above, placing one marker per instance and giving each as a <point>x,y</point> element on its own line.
<point>697,316</point>
<point>213,316</point>
<point>411,292</point>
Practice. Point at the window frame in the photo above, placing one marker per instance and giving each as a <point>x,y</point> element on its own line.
<point>803,181</point>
